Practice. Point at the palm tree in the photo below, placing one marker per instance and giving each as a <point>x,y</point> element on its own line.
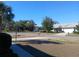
<point>5,14</point>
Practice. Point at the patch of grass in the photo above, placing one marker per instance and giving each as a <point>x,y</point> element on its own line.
<point>76,32</point>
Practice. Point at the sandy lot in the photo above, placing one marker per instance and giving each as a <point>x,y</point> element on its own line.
<point>59,50</point>
<point>69,48</point>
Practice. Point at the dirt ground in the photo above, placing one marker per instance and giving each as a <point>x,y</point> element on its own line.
<point>58,50</point>
<point>70,48</point>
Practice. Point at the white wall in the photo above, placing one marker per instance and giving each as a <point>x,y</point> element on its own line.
<point>68,30</point>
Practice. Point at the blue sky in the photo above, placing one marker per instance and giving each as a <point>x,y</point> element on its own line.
<point>63,12</point>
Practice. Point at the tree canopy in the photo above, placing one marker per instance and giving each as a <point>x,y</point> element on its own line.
<point>77,28</point>
<point>25,25</point>
<point>48,23</point>
<point>6,15</point>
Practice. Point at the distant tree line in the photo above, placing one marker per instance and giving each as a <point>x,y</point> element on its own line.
<point>24,25</point>
<point>27,25</point>
<point>19,26</point>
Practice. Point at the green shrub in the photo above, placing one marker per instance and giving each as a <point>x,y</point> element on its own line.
<point>76,32</point>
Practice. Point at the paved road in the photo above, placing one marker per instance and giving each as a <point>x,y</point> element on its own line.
<point>44,36</point>
<point>38,34</point>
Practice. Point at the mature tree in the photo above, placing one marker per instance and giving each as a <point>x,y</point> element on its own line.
<point>30,25</point>
<point>19,25</point>
<point>5,14</point>
<point>77,28</point>
<point>25,25</point>
<point>47,24</point>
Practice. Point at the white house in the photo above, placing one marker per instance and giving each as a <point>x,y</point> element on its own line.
<point>67,28</point>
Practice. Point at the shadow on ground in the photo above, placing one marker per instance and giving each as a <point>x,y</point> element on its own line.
<point>42,42</point>
<point>35,52</point>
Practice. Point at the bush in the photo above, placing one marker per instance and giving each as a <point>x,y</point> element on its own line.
<point>76,32</point>
<point>6,30</point>
<point>42,31</point>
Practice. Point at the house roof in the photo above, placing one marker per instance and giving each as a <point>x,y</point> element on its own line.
<point>65,25</point>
